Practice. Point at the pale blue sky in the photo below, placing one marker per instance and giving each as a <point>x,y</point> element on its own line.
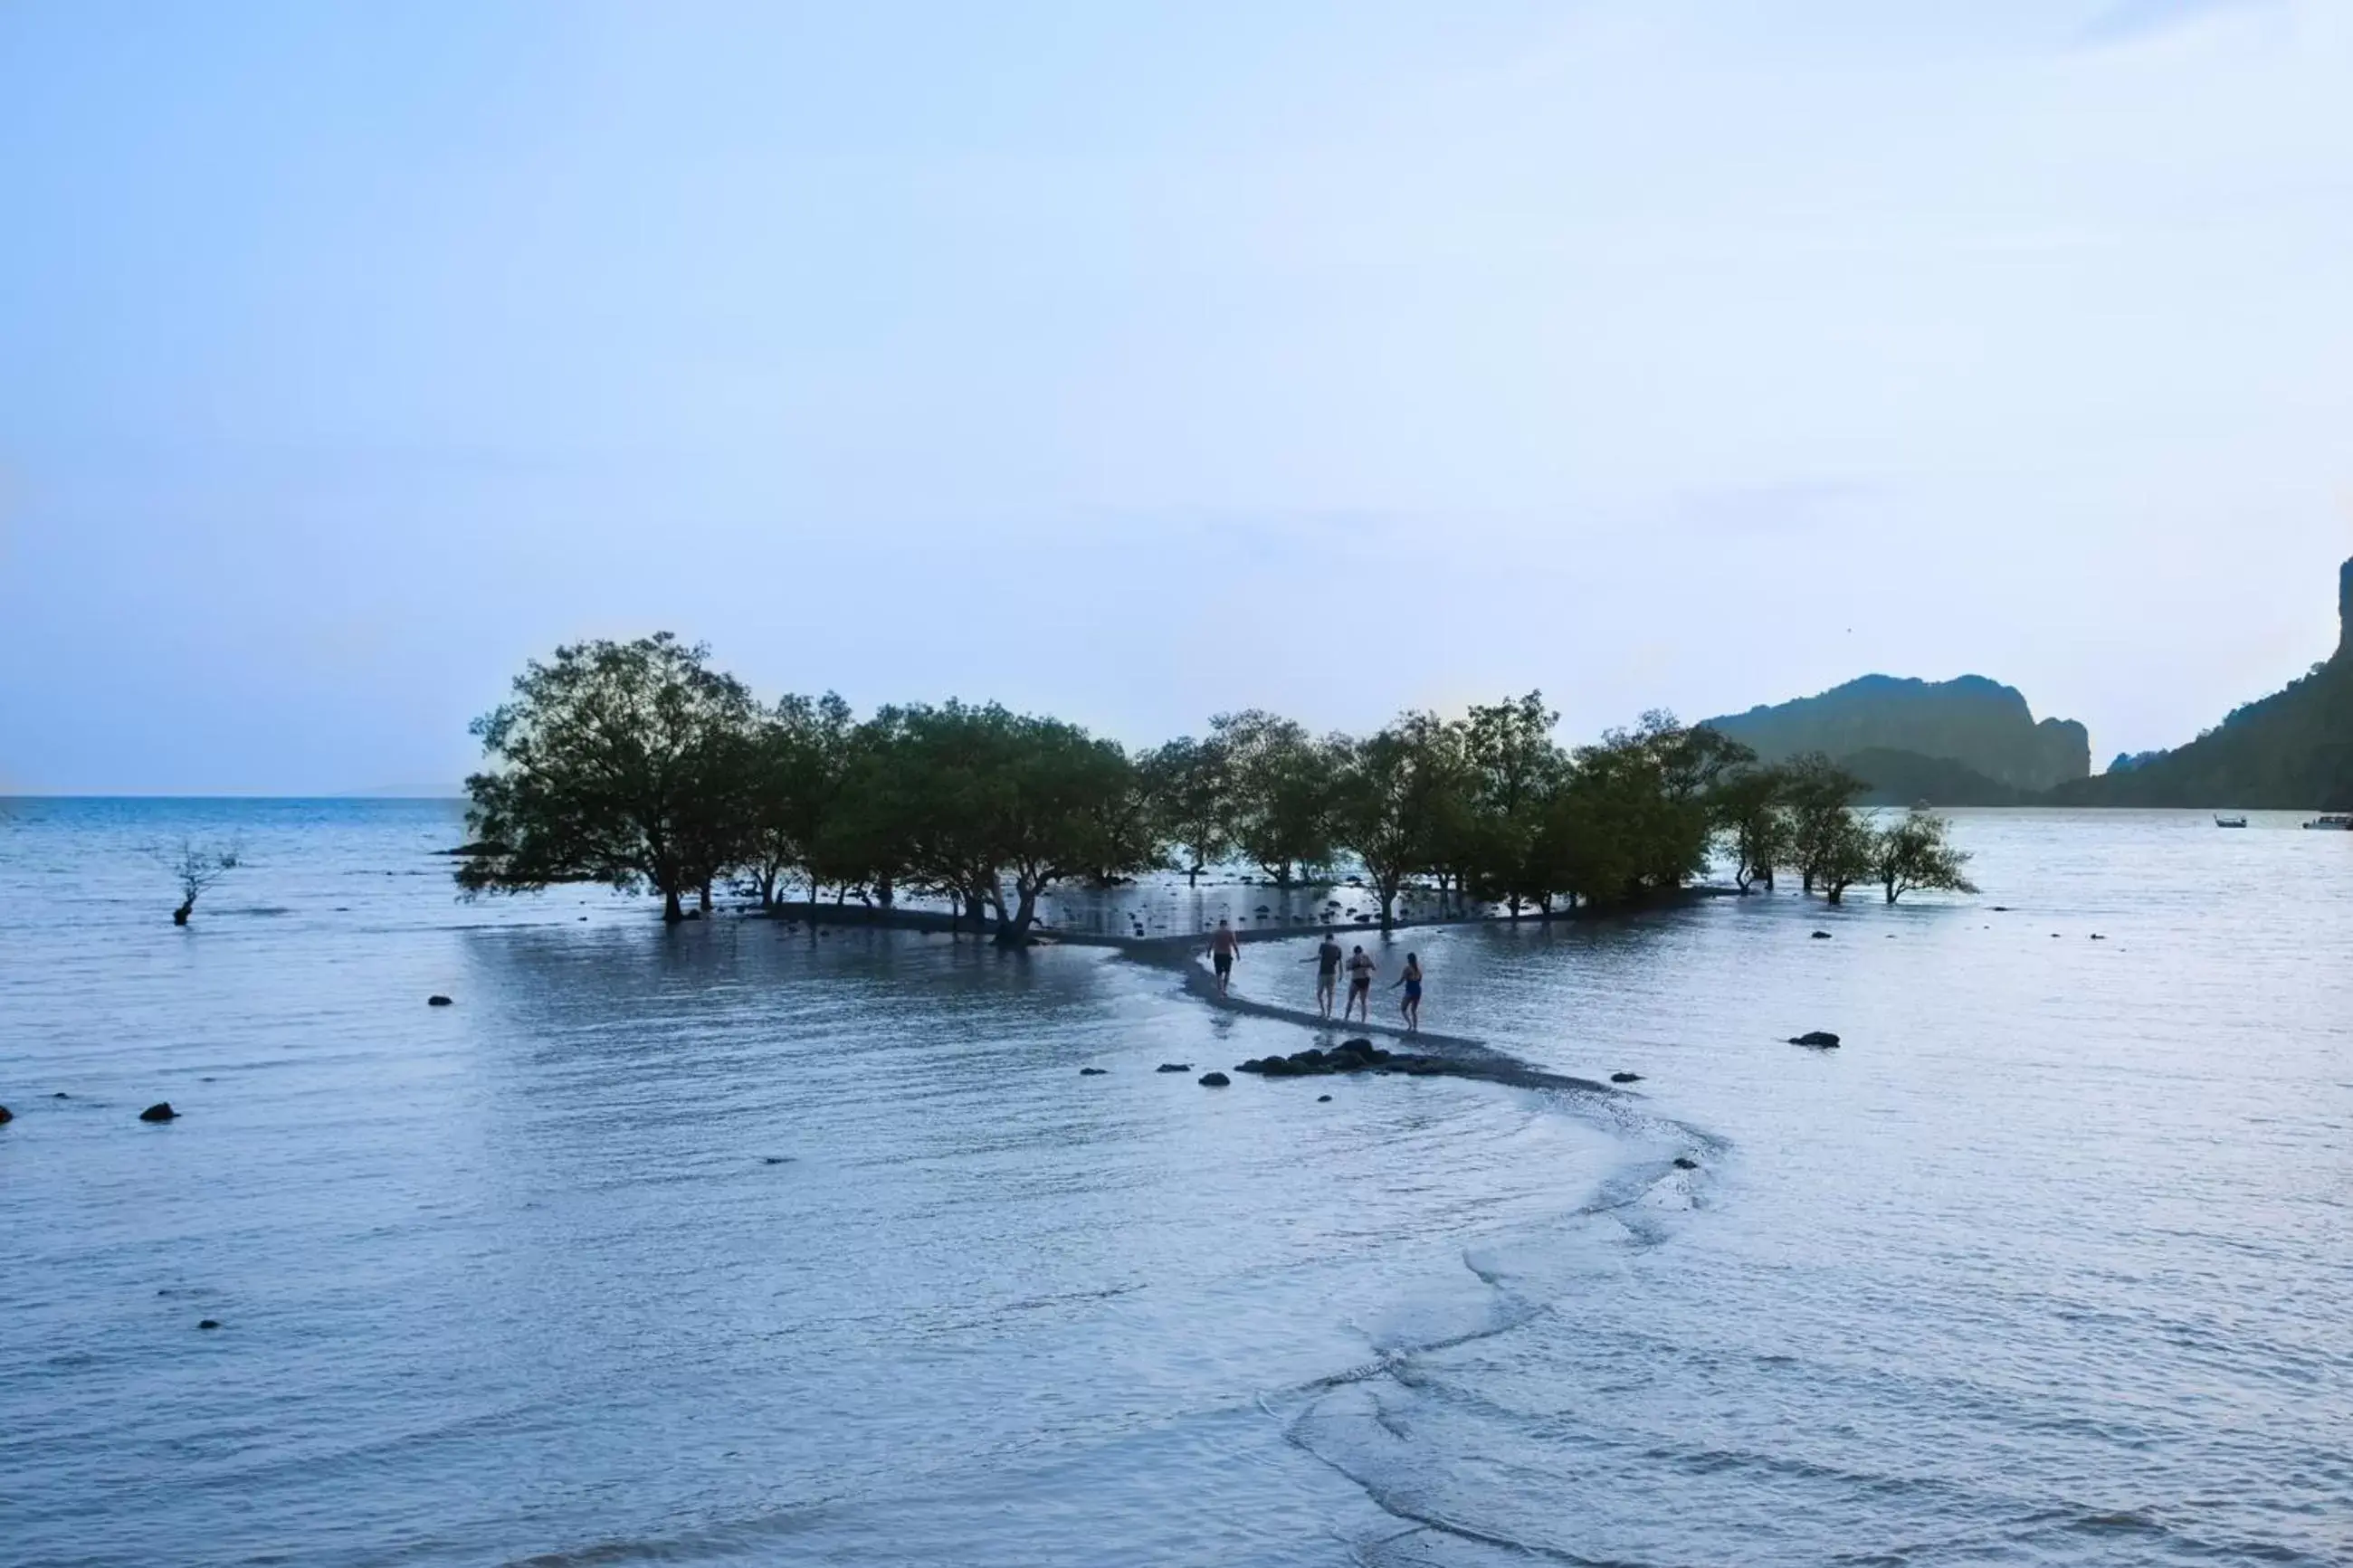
<point>1137,362</point>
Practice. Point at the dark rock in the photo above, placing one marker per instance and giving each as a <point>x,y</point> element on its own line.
<point>1322,1099</point>
<point>1625,1077</point>
<point>1820,1038</point>
<point>774,1159</point>
<point>1215,1080</point>
<point>1174,1067</point>
<point>209,1324</point>
<point>7,1116</point>
<point>61,1094</point>
<point>1685,1162</point>
<point>1821,936</point>
<point>1091,1072</point>
<point>2002,908</point>
<point>160,1111</point>
<point>2097,937</point>
<point>437,1000</point>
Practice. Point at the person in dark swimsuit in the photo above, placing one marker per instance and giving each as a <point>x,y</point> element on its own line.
<point>1360,985</point>
<point>1411,1006</point>
<point>1223,945</point>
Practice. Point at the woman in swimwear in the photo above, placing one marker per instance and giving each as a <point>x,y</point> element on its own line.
<point>1412,981</point>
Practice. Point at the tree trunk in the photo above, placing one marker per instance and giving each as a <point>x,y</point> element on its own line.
<point>976,910</point>
<point>1193,874</point>
<point>179,916</point>
<point>883,891</point>
<point>1015,932</point>
<point>703,898</point>
<point>671,913</point>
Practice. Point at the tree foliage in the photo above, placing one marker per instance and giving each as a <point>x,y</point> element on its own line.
<point>626,763</point>
<point>1285,790</point>
<point>1191,787</point>
<point>1913,852</point>
<point>639,765</point>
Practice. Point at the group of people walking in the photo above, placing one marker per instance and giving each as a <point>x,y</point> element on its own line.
<point>1363,968</point>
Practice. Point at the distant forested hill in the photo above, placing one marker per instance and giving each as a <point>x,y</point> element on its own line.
<point>2291,751</point>
<point>1902,778</point>
<point>1980,727</point>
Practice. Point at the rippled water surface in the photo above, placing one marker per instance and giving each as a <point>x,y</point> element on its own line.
<point>755,1243</point>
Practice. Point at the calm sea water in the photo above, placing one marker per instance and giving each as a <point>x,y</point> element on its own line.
<point>742,1244</point>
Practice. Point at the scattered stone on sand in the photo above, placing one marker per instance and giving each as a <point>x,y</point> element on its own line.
<point>1821,1039</point>
<point>437,1000</point>
<point>1821,936</point>
<point>208,1324</point>
<point>1625,1077</point>
<point>160,1111</point>
<point>2097,937</point>
<point>1685,1162</point>
<point>1174,1067</point>
<point>1215,1080</point>
<point>1091,1072</point>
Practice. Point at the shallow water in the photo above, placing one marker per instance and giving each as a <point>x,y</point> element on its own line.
<point>745,1244</point>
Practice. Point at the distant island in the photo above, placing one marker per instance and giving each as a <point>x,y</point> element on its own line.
<point>1974,742</point>
<point>2292,751</point>
<point>1968,742</point>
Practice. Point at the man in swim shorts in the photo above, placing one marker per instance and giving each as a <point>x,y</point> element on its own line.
<point>1327,973</point>
<point>1360,985</point>
<point>1223,945</point>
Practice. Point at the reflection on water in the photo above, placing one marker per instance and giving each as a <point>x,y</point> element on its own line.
<point>741,1243</point>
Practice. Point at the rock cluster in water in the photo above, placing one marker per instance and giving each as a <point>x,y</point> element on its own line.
<point>1821,1039</point>
<point>1355,1056</point>
<point>160,1111</point>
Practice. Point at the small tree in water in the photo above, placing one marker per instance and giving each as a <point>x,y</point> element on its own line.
<point>1914,854</point>
<point>197,867</point>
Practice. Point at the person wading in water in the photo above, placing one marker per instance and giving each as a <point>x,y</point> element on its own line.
<point>1327,973</point>
<point>1360,986</point>
<point>1411,1006</point>
<point>1223,945</point>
